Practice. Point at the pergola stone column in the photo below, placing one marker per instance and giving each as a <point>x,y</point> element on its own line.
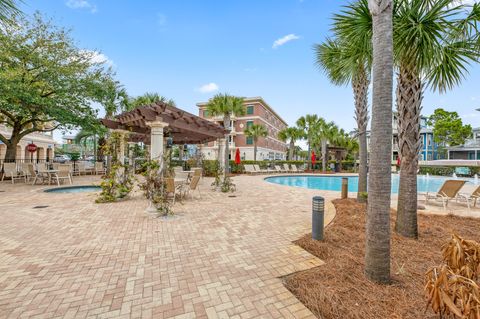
<point>156,139</point>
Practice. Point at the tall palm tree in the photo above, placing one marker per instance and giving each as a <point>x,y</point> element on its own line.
<point>308,125</point>
<point>432,48</point>
<point>226,106</point>
<point>291,134</point>
<point>256,131</point>
<point>148,98</point>
<point>115,99</point>
<point>377,231</point>
<point>346,59</point>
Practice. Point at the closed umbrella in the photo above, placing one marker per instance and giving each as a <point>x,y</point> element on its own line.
<point>237,156</point>
<point>314,159</point>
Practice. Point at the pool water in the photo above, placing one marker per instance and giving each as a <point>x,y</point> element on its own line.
<point>74,189</point>
<point>334,183</point>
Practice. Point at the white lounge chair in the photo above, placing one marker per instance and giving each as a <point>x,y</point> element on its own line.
<point>469,197</point>
<point>286,168</point>
<point>250,169</point>
<point>448,191</point>
<point>99,168</point>
<point>280,169</point>
<point>10,170</point>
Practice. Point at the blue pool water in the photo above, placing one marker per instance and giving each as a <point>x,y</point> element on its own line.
<point>334,183</point>
<point>74,189</point>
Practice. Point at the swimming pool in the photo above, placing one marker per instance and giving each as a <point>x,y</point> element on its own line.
<point>334,183</point>
<point>74,189</point>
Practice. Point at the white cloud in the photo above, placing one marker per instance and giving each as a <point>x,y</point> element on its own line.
<point>81,4</point>
<point>208,88</point>
<point>285,39</point>
<point>97,57</point>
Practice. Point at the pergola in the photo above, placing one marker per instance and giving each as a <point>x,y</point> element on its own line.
<point>152,123</point>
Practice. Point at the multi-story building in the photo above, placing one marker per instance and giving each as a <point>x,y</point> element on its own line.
<point>429,149</point>
<point>257,111</point>
<point>43,140</point>
<point>470,150</point>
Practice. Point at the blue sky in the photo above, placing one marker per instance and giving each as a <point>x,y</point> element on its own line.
<point>190,50</point>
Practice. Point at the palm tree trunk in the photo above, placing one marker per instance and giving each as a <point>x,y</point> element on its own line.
<point>360,90</point>
<point>290,152</point>
<point>226,124</point>
<point>324,155</point>
<point>254,151</point>
<point>309,156</point>
<point>377,231</point>
<point>409,101</point>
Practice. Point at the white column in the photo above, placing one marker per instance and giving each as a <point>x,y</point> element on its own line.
<point>156,139</point>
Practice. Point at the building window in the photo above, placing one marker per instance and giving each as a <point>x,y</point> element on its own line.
<point>249,124</point>
<point>249,109</point>
<point>205,113</point>
<point>249,140</point>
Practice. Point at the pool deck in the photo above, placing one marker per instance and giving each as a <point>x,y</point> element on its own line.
<point>219,257</point>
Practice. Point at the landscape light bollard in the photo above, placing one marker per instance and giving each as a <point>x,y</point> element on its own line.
<point>318,212</point>
<point>344,187</point>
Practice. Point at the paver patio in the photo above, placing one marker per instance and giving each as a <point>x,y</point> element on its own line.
<point>220,257</point>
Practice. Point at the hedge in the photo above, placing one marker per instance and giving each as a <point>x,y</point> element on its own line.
<point>446,170</point>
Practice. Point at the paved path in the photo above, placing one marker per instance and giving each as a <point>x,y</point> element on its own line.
<point>220,257</point>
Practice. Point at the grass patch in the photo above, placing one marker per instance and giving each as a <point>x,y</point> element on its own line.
<point>339,288</point>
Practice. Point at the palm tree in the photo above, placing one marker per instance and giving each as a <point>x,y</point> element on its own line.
<point>347,59</point>
<point>308,124</point>
<point>432,48</point>
<point>377,231</point>
<point>115,99</point>
<point>325,132</point>
<point>226,106</point>
<point>291,134</point>
<point>8,9</point>
<point>148,98</point>
<point>95,133</point>
<point>255,131</point>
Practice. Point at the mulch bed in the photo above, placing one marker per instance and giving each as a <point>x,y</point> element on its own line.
<point>339,288</point>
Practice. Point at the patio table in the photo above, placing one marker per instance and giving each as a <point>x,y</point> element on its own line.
<point>49,173</point>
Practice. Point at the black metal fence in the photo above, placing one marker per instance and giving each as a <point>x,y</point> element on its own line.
<point>49,163</point>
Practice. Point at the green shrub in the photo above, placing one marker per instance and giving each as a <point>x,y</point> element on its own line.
<point>446,170</point>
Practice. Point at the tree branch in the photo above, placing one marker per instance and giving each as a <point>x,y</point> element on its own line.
<point>8,114</point>
<point>3,139</point>
<point>36,129</point>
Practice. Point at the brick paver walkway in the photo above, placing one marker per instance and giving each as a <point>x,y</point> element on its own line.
<point>219,257</point>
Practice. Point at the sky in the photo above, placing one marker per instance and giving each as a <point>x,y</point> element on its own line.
<point>190,50</point>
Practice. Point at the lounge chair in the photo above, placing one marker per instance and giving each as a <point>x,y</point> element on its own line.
<point>448,191</point>
<point>300,169</point>
<point>279,169</point>
<point>64,173</point>
<point>10,170</point>
<point>286,168</point>
<point>262,171</point>
<point>469,197</point>
<point>250,169</point>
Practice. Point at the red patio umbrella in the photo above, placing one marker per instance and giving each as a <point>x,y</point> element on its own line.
<point>399,161</point>
<point>237,156</point>
<point>314,159</point>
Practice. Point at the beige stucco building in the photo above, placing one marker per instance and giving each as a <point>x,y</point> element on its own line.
<point>43,140</point>
<point>257,111</point>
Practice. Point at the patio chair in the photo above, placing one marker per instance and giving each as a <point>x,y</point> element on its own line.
<point>280,169</point>
<point>250,169</point>
<point>32,174</point>
<point>10,170</point>
<point>294,169</point>
<point>259,170</point>
<point>171,189</point>
<point>448,191</point>
<point>24,170</point>
<point>80,168</point>
<point>64,173</point>
<point>193,186</point>
<point>99,168</point>
<point>300,169</point>
<point>54,166</point>
<point>286,168</point>
<point>469,197</point>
